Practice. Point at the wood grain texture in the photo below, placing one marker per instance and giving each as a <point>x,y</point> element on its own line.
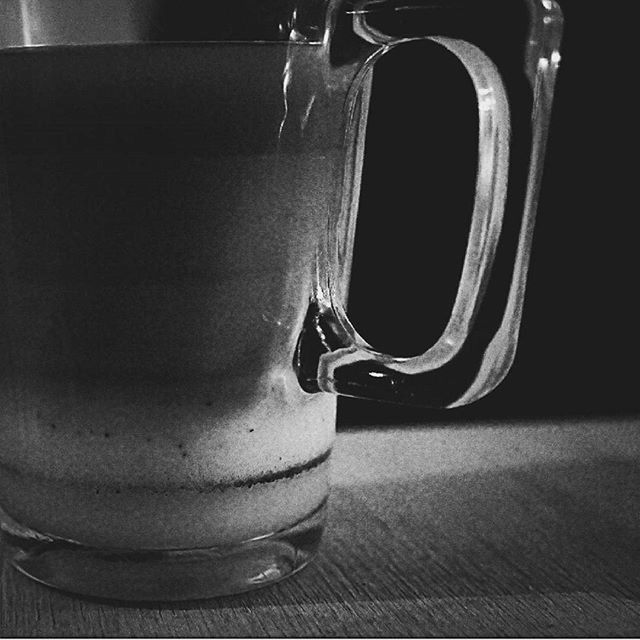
<point>480,530</point>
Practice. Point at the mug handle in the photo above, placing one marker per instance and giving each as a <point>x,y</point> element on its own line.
<point>477,346</point>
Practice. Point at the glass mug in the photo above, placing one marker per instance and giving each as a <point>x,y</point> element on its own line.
<point>178,197</point>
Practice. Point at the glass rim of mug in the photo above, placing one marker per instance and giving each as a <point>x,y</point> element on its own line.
<point>36,24</point>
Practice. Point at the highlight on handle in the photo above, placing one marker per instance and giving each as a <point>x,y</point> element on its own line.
<point>478,345</point>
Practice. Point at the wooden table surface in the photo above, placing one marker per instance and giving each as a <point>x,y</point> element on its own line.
<point>504,529</point>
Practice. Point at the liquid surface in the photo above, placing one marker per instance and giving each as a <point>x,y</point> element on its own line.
<point>160,209</point>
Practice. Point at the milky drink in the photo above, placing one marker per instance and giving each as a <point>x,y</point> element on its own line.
<point>160,206</point>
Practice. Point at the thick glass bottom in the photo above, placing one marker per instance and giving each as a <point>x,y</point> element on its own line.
<point>163,575</point>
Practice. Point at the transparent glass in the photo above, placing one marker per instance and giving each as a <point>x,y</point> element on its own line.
<point>178,191</point>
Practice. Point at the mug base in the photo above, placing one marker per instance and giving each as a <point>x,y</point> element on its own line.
<point>129,575</point>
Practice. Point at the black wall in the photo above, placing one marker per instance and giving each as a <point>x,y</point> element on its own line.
<point>580,338</point>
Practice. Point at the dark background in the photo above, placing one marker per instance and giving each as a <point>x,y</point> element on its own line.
<point>580,339</point>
